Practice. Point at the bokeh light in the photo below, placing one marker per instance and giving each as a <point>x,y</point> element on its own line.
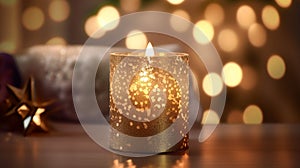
<point>108,17</point>
<point>175,2</point>
<point>232,74</point>
<point>56,41</point>
<point>8,46</point>
<point>92,26</point>
<point>249,78</point>
<point>276,67</point>
<point>59,10</point>
<point>210,117</point>
<point>284,3</point>
<point>257,35</point>
<point>252,115</point>
<point>8,2</point>
<point>234,117</point>
<point>136,40</point>
<point>245,16</point>
<point>228,40</point>
<point>130,5</point>
<point>212,84</point>
<point>214,13</point>
<point>270,17</point>
<point>178,24</point>
<point>206,28</point>
<point>33,18</point>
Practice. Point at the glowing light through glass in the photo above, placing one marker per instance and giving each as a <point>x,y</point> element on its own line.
<point>212,84</point>
<point>206,28</point>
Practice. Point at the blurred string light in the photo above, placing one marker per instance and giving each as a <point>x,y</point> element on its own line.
<point>214,13</point>
<point>228,40</point>
<point>284,3</point>
<point>136,40</point>
<point>270,17</point>
<point>257,35</point>
<point>108,17</point>
<point>175,2</point>
<point>206,28</point>
<point>130,5</point>
<point>276,67</point>
<point>33,18</point>
<point>92,27</point>
<point>252,115</point>
<point>210,117</point>
<point>249,78</point>
<point>245,16</point>
<point>178,24</point>
<point>232,74</point>
<point>59,10</point>
<point>235,116</point>
<point>56,41</point>
<point>212,84</point>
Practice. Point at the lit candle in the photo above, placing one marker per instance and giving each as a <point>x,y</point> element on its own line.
<point>149,92</point>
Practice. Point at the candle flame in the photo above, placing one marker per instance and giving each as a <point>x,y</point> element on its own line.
<point>149,50</point>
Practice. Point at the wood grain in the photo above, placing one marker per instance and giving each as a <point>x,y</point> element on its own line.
<point>267,145</point>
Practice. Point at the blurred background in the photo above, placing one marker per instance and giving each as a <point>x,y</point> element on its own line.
<point>258,42</point>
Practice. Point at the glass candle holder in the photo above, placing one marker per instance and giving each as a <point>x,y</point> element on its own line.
<point>149,102</point>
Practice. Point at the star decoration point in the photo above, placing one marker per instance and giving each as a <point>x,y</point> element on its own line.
<point>28,108</point>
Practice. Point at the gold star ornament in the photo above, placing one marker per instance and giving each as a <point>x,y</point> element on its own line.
<point>28,108</point>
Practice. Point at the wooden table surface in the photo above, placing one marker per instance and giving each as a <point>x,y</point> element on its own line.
<point>67,145</point>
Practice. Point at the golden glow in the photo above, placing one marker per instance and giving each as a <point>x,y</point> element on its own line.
<point>117,164</point>
<point>92,26</point>
<point>37,118</point>
<point>253,115</point>
<point>8,46</point>
<point>270,17</point>
<point>23,110</point>
<point>228,40</point>
<point>245,16</point>
<point>59,10</point>
<point>23,107</point>
<point>212,84</point>
<point>33,18</point>
<point>177,24</point>
<point>249,78</point>
<point>235,116</point>
<point>56,41</point>
<point>276,67</point>
<point>136,40</point>
<point>257,35</point>
<point>210,117</point>
<point>284,3</point>
<point>175,2</point>
<point>130,5</point>
<point>232,74</point>
<point>206,28</point>
<point>214,13</point>
<point>108,17</point>
<point>149,50</point>
<point>39,111</point>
